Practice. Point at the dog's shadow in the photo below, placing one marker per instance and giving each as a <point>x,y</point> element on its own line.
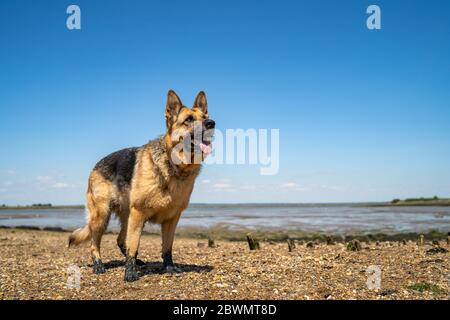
<point>148,268</point>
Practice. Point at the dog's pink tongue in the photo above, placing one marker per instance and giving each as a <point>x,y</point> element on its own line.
<point>205,149</point>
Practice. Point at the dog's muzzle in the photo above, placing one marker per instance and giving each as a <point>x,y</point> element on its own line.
<point>209,124</point>
<point>205,143</point>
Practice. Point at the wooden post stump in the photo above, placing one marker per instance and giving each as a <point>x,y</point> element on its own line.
<point>291,244</point>
<point>420,242</point>
<point>310,244</point>
<point>329,240</point>
<point>354,245</point>
<point>252,243</point>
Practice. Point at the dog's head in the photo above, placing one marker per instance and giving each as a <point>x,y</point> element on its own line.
<point>189,130</point>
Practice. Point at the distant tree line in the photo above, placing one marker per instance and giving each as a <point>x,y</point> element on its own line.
<point>38,205</point>
<point>416,199</point>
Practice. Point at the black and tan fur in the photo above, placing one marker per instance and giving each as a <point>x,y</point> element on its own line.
<point>143,184</point>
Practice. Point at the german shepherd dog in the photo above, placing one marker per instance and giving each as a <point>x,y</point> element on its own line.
<point>151,183</point>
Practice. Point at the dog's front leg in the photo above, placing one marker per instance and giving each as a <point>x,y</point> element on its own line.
<point>135,225</point>
<point>168,233</point>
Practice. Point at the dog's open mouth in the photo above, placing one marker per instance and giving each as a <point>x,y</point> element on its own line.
<point>204,146</point>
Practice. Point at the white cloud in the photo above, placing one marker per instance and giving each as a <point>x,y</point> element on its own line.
<point>290,185</point>
<point>293,186</point>
<point>44,179</point>
<point>45,182</point>
<point>60,185</point>
<point>222,185</point>
<point>248,187</point>
<point>206,181</point>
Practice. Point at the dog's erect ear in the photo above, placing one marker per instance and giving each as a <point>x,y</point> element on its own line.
<point>201,102</point>
<point>173,107</point>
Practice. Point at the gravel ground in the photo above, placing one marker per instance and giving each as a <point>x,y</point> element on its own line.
<point>34,265</point>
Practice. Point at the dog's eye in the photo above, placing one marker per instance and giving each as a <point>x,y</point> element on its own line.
<point>189,119</point>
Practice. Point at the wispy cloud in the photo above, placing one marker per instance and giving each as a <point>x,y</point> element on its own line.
<point>248,187</point>
<point>45,182</point>
<point>44,179</point>
<point>60,185</point>
<point>293,186</point>
<point>289,185</point>
<point>222,185</point>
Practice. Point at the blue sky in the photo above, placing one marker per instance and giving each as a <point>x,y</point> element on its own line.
<point>363,115</point>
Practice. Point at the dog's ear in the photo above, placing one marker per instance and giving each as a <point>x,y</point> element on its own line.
<point>173,107</point>
<point>201,102</point>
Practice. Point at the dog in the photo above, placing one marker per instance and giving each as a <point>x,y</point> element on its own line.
<point>150,183</point>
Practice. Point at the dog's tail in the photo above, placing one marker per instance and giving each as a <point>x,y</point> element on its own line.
<point>79,236</point>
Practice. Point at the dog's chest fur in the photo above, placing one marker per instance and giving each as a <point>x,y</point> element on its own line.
<point>157,189</point>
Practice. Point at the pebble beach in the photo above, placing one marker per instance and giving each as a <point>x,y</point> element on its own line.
<point>36,264</point>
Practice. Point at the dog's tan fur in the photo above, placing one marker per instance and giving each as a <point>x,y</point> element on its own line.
<point>159,190</point>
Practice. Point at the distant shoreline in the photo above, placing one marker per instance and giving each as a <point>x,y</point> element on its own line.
<point>413,204</point>
<point>417,202</point>
<point>394,203</point>
<point>41,207</point>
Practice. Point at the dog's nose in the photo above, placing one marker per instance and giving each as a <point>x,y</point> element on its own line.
<point>209,124</point>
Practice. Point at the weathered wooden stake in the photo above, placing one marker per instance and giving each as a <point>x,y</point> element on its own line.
<point>329,240</point>
<point>310,244</point>
<point>211,243</point>
<point>421,240</point>
<point>252,243</point>
<point>354,245</point>
<point>291,244</point>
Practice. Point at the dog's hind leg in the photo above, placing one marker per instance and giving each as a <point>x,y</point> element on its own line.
<point>98,222</point>
<point>122,237</point>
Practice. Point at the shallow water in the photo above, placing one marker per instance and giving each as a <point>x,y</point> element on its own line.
<point>334,219</point>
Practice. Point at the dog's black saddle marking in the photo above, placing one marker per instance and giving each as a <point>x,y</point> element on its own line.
<point>118,167</point>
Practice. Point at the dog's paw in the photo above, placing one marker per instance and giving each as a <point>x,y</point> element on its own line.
<point>172,269</point>
<point>131,276</point>
<point>131,272</point>
<point>98,266</point>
